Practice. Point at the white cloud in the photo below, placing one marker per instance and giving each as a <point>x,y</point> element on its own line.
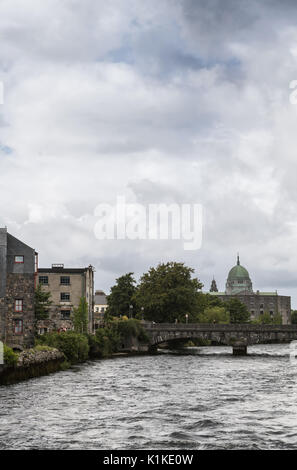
<point>160,101</point>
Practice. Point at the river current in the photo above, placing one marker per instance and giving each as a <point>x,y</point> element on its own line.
<point>206,399</point>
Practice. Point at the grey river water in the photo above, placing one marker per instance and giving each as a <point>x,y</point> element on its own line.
<point>207,400</point>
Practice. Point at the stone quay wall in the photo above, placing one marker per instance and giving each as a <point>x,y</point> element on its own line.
<point>32,363</point>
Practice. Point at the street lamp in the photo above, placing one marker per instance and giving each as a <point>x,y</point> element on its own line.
<point>131,311</point>
<point>187,317</point>
<point>142,310</point>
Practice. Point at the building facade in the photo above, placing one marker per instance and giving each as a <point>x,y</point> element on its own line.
<point>67,286</point>
<point>18,270</point>
<point>100,306</point>
<point>239,285</point>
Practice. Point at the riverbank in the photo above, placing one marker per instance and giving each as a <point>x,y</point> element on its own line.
<point>59,351</point>
<point>31,363</point>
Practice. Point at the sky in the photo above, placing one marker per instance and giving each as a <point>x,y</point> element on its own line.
<point>159,101</point>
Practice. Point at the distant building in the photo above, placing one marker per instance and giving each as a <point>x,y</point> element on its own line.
<point>239,285</point>
<point>18,268</point>
<point>67,286</point>
<point>213,287</point>
<point>100,306</point>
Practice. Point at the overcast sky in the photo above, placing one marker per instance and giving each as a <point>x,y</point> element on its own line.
<point>161,101</point>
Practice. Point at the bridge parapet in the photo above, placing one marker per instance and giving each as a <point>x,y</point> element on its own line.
<point>228,334</point>
<point>249,327</point>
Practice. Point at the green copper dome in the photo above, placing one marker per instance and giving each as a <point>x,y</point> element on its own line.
<point>238,281</point>
<point>238,271</point>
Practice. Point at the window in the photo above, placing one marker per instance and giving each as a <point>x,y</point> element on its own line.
<point>271,313</point>
<point>18,305</point>
<point>43,280</point>
<point>42,331</point>
<point>18,327</point>
<point>261,312</point>
<point>65,280</point>
<point>19,259</point>
<point>65,296</point>
<point>65,313</point>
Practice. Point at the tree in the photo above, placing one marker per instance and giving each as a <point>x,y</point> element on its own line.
<point>267,319</point>
<point>212,300</point>
<point>277,319</point>
<point>121,296</point>
<point>215,315</point>
<point>238,311</point>
<point>294,317</point>
<point>80,316</point>
<point>168,293</point>
<point>42,303</point>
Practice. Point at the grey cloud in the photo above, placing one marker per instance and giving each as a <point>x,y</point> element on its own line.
<point>161,101</point>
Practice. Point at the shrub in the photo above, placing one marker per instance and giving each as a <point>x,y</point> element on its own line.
<point>105,345</point>
<point>42,347</point>
<point>74,345</point>
<point>10,357</point>
<point>129,328</point>
<point>107,340</point>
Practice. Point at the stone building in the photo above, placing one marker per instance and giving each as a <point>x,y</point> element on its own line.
<point>239,285</point>
<point>100,306</point>
<point>18,268</point>
<point>67,286</point>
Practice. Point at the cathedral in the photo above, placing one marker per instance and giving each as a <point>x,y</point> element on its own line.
<point>239,285</point>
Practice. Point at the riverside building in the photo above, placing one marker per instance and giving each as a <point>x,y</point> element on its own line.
<point>67,286</point>
<point>18,270</point>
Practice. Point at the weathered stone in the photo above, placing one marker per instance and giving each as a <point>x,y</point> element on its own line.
<point>225,334</point>
<point>32,363</point>
<point>17,280</point>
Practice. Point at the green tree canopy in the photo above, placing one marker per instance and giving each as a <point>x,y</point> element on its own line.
<point>121,296</point>
<point>215,315</point>
<point>80,316</point>
<point>42,303</point>
<point>267,319</point>
<point>212,300</point>
<point>238,311</point>
<point>294,317</point>
<point>168,292</point>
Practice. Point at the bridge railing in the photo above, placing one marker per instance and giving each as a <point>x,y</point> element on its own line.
<point>218,327</point>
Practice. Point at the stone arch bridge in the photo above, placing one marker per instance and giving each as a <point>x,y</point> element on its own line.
<point>239,336</point>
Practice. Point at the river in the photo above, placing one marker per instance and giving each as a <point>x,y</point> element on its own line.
<point>205,400</point>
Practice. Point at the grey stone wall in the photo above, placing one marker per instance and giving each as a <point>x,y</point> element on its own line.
<point>16,282</point>
<point>20,286</point>
<point>221,333</point>
<point>32,363</point>
<point>3,263</point>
